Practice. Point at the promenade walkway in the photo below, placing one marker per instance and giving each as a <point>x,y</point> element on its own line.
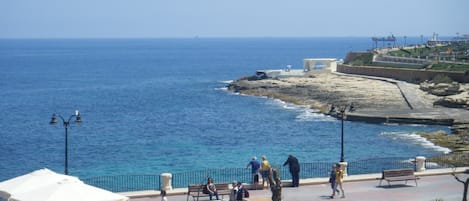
<point>431,187</point>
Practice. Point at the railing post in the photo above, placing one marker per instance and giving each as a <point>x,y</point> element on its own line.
<point>166,181</point>
<point>344,166</point>
<point>420,163</point>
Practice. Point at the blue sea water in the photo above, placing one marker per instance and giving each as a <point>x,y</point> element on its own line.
<point>160,105</point>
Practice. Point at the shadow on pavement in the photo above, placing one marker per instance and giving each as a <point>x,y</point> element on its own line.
<point>396,186</point>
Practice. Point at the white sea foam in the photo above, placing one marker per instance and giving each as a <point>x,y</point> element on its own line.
<point>222,89</point>
<point>427,164</point>
<point>284,105</point>
<point>304,113</point>
<point>410,160</point>
<point>309,115</point>
<point>226,81</point>
<point>413,138</point>
<point>431,164</point>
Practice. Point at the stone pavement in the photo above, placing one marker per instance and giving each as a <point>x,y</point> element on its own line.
<point>425,109</point>
<point>419,106</point>
<point>431,188</point>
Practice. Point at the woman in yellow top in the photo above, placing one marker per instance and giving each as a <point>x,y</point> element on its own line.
<point>265,169</point>
<point>339,178</point>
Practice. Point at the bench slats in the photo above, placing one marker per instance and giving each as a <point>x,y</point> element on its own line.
<point>196,190</point>
<point>398,175</point>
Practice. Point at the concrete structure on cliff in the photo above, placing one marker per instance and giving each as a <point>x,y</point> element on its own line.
<point>312,64</point>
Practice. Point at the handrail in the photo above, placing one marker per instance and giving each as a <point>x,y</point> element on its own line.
<point>126,183</point>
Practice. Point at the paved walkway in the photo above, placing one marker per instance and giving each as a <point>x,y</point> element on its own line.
<point>419,107</point>
<point>423,108</point>
<point>431,188</point>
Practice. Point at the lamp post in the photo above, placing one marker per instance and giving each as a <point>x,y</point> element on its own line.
<point>351,108</point>
<point>342,114</point>
<point>66,123</point>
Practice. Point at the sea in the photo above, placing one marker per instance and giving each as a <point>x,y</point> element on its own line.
<point>150,106</point>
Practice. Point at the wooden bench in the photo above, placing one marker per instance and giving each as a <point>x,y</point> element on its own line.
<point>398,175</point>
<point>197,190</point>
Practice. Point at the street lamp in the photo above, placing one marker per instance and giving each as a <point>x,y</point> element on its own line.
<point>341,111</point>
<point>66,123</point>
<point>342,114</point>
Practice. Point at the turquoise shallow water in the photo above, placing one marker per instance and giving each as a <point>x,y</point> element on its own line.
<point>159,105</point>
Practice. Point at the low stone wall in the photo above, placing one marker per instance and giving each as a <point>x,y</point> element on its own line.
<point>408,75</point>
<point>399,120</point>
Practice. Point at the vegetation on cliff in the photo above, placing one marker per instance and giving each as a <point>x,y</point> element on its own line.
<point>451,57</point>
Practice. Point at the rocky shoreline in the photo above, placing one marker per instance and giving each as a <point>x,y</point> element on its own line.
<point>322,90</point>
<point>373,100</point>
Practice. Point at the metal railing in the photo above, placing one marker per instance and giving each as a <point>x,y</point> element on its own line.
<point>447,161</point>
<point>126,183</point>
<point>307,170</point>
<point>122,183</point>
<point>378,165</point>
<point>182,179</point>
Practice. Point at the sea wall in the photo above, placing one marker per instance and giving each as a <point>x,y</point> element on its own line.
<point>399,120</point>
<point>408,75</point>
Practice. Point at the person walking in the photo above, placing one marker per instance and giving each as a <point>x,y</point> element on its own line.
<point>234,190</point>
<point>294,167</point>
<point>255,166</point>
<point>332,181</point>
<point>339,178</point>
<point>163,196</point>
<point>241,193</point>
<point>265,170</point>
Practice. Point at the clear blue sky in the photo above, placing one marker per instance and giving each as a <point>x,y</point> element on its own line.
<point>235,18</point>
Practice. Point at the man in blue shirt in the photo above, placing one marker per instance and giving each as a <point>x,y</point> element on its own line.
<point>255,166</point>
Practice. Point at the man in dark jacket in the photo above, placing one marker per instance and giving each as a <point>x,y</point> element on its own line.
<point>294,170</point>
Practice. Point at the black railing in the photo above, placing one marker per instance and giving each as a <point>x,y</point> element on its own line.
<point>307,170</point>
<point>181,180</point>
<point>447,161</point>
<point>122,183</point>
<point>378,165</point>
<point>125,183</point>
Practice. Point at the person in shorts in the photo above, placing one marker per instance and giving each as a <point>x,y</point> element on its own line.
<point>265,170</point>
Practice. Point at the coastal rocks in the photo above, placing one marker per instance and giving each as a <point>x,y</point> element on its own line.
<point>460,129</point>
<point>441,89</point>
<point>452,159</point>
<point>455,101</point>
<point>321,90</point>
<point>457,142</point>
<point>453,95</point>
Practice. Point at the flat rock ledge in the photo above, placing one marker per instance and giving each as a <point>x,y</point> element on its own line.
<point>373,100</point>
<point>321,91</point>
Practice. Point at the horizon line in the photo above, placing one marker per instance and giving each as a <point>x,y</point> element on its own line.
<point>205,37</point>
